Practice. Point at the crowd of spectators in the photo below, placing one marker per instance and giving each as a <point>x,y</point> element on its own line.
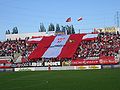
<point>106,44</point>
<point>13,47</point>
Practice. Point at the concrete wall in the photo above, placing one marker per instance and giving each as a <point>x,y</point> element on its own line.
<point>24,35</point>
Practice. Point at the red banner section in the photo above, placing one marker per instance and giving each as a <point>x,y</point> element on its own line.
<point>84,62</point>
<point>4,67</point>
<point>66,50</point>
<point>102,60</point>
<point>42,47</point>
<point>5,64</point>
<point>3,61</point>
<point>71,46</point>
<point>108,60</point>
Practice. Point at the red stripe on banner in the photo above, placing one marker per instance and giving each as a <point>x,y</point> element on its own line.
<point>3,61</point>
<point>71,46</point>
<point>44,44</point>
<point>89,39</point>
<point>4,67</point>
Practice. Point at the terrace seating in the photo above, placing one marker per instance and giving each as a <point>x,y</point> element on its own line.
<point>103,45</point>
<point>106,44</point>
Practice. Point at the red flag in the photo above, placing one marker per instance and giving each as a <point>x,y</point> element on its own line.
<point>69,19</point>
<point>79,19</point>
<point>95,29</point>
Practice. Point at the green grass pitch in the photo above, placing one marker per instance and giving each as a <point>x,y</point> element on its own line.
<point>105,79</point>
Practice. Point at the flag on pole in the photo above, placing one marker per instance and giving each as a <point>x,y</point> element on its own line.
<point>79,19</point>
<point>95,29</point>
<point>69,19</point>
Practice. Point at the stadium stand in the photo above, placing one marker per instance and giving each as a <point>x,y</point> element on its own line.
<point>103,45</point>
<point>102,48</point>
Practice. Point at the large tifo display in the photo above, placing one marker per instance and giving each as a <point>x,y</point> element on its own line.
<point>57,47</point>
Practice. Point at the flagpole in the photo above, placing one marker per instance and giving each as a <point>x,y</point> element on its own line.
<point>65,31</point>
<point>79,31</point>
<point>68,21</point>
<point>79,19</point>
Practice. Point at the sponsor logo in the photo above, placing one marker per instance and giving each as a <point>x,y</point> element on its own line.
<point>109,29</point>
<point>93,67</point>
<point>60,40</point>
<point>52,63</point>
<point>25,69</point>
<point>82,67</point>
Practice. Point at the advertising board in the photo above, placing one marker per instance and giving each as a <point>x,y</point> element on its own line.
<point>25,69</point>
<point>85,67</point>
<point>57,63</point>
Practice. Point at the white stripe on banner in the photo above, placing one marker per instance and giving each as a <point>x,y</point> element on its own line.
<point>90,36</point>
<point>55,49</point>
<point>35,39</point>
